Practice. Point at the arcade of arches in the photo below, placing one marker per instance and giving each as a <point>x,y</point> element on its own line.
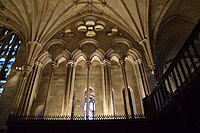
<point>61,84</point>
<point>87,57</point>
<point>91,53</point>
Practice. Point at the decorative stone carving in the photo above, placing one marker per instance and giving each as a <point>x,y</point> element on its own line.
<point>26,70</point>
<point>105,62</point>
<point>70,63</point>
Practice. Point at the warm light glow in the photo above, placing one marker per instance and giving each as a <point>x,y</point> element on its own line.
<point>82,28</point>
<point>109,34</point>
<point>90,23</point>
<point>67,30</point>
<point>90,33</point>
<point>98,27</point>
<point>90,27</point>
<point>114,30</point>
<point>152,72</point>
<point>18,68</point>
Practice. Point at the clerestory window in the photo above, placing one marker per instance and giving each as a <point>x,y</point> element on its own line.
<point>89,111</point>
<point>9,45</point>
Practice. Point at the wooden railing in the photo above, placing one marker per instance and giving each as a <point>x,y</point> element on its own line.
<point>67,117</point>
<point>183,68</point>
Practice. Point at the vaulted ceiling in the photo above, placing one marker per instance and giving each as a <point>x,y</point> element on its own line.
<point>149,23</point>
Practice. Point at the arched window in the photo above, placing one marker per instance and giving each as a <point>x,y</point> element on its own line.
<point>91,105</point>
<point>113,100</point>
<point>130,101</point>
<point>9,45</point>
<point>73,100</point>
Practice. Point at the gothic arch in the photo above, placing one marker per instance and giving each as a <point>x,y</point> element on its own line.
<point>113,56</point>
<point>134,54</point>
<point>45,57</point>
<point>65,55</point>
<point>78,55</point>
<point>99,54</point>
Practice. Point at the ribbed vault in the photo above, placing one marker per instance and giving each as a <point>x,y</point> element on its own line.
<point>39,20</point>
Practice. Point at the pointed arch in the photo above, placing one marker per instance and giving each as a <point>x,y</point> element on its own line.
<point>65,55</point>
<point>112,55</point>
<point>158,22</point>
<point>78,56</point>
<point>134,54</point>
<point>45,57</point>
<point>91,104</point>
<point>99,54</point>
<point>115,58</point>
<point>95,58</point>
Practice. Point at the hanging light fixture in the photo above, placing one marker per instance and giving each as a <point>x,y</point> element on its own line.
<point>82,28</point>
<point>99,26</point>
<point>90,27</point>
<point>90,23</point>
<point>90,33</point>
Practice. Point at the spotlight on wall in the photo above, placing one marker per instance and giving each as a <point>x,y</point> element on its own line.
<point>18,68</point>
<point>152,72</point>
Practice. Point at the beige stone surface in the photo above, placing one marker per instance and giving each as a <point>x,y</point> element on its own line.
<point>150,31</point>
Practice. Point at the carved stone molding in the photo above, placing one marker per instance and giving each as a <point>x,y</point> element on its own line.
<point>105,62</point>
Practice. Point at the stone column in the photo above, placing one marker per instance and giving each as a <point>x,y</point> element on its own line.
<point>108,103</point>
<point>33,49</point>
<point>88,89</point>
<point>144,78</point>
<point>17,107</point>
<point>68,97</point>
<point>53,65</point>
<point>34,79</point>
<point>72,93</point>
<point>126,90</point>
<point>140,79</point>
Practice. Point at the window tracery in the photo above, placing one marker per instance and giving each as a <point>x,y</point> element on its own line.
<point>91,106</point>
<point>9,45</point>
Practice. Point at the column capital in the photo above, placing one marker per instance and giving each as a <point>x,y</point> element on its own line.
<point>70,63</point>
<point>88,63</point>
<point>141,42</point>
<point>39,64</point>
<point>34,49</point>
<point>26,69</point>
<point>152,68</point>
<point>54,64</point>
<point>122,62</point>
<point>138,61</point>
<point>105,62</point>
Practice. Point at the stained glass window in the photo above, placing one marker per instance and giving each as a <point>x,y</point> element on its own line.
<point>91,106</point>
<point>9,45</point>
